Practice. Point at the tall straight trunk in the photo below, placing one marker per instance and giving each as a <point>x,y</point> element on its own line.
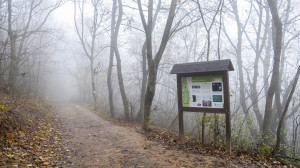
<point>13,67</point>
<point>38,75</point>
<point>280,103</point>
<point>277,45</point>
<point>92,57</point>
<point>94,93</point>
<point>151,86</point>
<point>111,60</point>
<point>266,62</point>
<point>144,83</point>
<point>121,85</point>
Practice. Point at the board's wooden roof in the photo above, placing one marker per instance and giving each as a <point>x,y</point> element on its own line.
<point>207,66</point>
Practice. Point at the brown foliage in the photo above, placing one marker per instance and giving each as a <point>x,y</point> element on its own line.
<point>242,158</point>
<point>29,134</point>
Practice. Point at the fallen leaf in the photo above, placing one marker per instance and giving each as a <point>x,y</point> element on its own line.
<point>10,137</point>
<point>45,163</point>
<point>10,156</point>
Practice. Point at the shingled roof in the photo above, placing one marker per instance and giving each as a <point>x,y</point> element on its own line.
<point>207,66</point>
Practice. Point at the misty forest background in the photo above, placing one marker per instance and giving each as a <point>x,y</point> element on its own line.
<point>117,55</point>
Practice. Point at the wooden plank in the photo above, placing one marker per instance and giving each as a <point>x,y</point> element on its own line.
<point>207,66</point>
<point>204,110</point>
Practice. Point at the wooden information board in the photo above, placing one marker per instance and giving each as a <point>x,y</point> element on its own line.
<point>204,87</point>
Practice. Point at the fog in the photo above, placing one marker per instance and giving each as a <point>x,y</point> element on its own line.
<point>61,86</point>
<point>123,69</point>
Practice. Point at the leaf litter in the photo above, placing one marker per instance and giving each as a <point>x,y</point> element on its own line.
<point>29,133</point>
<point>168,138</point>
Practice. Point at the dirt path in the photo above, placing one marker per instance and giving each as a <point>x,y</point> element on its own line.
<point>94,142</point>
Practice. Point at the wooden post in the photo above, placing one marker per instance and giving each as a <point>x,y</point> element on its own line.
<point>228,132</point>
<point>227,112</point>
<point>180,112</point>
<point>181,127</point>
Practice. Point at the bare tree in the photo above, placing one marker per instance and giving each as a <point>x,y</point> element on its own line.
<point>259,45</point>
<point>238,53</point>
<point>111,59</point>
<point>207,26</point>
<point>116,28</point>
<point>35,17</point>
<point>144,67</point>
<point>282,118</point>
<point>153,63</point>
<point>88,39</point>
<point>277,46</point>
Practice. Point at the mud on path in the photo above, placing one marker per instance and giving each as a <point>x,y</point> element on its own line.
<point>95,142</point>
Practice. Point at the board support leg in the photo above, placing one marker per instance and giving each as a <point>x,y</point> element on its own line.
<point>228,132</point>
<point>181,127</point>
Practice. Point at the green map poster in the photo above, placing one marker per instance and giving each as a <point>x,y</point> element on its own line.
<point>185,93</point>
<point>203,92</point>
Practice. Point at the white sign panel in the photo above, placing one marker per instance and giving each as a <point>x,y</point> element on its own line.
<point>203,92</point>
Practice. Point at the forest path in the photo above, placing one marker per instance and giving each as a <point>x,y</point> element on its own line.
<point>95,142</point>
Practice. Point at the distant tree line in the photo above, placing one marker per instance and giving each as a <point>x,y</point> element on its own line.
<point>23,44</point>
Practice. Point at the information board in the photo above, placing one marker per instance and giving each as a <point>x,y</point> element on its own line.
<point>203,92</point>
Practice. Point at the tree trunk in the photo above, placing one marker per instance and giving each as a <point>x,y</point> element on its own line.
<point>119,64</point>
<point>144,67</point>
<point>94,93</point>
<point>277,45</point>
<point>121,85</point>
<point>151,86</point>
<point>153,64</point>
<point>111,60</point>
<point>266,63</point>
<point>259,46</point>
<point>239,59</point>
<point>144,83</point>
<point>13,67</point>
<point>278,92</point>
<point>282,118</point>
